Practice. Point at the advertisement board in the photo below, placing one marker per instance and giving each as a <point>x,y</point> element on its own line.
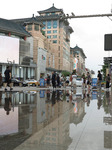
<point>9,49</point>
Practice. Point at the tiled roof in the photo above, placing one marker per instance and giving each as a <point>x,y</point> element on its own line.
<point>50,10</point>
<point>28,21</point>
<point>10,26</point>
<point>46,17</point>
<point>76,48</point>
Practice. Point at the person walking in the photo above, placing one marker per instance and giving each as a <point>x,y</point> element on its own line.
<point>0,79</point>
<point>67,80</point>
<point>58,80</point>
<point>53,80</point>
<point>84,80</point>
<point>74,76</point>
<point>8,77</point>
<point>48,80</point>
<point>107,81</point>
<point>99,78</point>
<point>88,82</point>
<point>8,103</point>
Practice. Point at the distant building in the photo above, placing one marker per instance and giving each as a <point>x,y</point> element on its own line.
<point>58,33</point>
<point>78,53</point>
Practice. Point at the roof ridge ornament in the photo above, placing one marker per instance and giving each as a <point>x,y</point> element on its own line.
<point>53,4</point>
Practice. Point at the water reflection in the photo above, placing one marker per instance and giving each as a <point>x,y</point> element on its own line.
<point>44,118</point>
<point>8,103</point>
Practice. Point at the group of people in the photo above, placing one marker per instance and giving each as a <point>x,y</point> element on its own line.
<point>55,79</point>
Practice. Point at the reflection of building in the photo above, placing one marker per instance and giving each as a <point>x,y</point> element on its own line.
<point>108,139</point>
<point>107,120</point>
<point>51,131</point>
<point>78,116</point>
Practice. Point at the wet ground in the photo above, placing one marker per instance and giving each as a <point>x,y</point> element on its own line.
<point>55,120</point>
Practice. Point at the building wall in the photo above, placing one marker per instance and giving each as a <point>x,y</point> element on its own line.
<point>62,46</point>
<point>41,44</point>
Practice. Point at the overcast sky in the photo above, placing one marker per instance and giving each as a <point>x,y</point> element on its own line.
<point>88,32</point>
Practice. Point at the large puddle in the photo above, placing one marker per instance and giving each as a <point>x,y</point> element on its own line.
<point>55,120</point>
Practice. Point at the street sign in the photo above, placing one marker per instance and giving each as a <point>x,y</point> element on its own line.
<point>107,60</point>
<point>108,42</point>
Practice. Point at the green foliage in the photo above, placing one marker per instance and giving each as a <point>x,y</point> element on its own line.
<point>65,73</point>
<point>43,32</point>
<point>104,67</point>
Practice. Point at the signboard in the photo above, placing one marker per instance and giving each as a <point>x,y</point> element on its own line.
<point>9,49</point>
<point>107,60</point>
<point>42,93</point>
<point>94,95</point>
<point>75,63</point>
<point>94,82</point>
<point>108,42</point>
<point>42,82</point>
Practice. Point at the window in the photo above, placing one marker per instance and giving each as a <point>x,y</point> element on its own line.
<point>44,23</point>
<point>49,25</point>
<point>54,31</point>
<point>36,27</point>
<point>54,24</point>
<point>47,14</point>
<point>54,36</point>
<point>49,37</point>
<point>53,13</point>
<point>29,27</point>
<point>54,41</point>
<point>48,32</point>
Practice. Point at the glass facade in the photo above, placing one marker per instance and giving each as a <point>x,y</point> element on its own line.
<point>48,32</point>
<point>54,36</point>
<point>55,24</point>
<point>49,25</point>
<point>54,31</point>
<point>54,41</point>
<point>44,23</point>
<point>49,36</point>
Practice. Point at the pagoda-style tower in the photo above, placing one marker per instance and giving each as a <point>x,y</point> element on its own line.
<point>58,32</point>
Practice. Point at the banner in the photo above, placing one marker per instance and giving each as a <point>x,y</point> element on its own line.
<point>75,63</point>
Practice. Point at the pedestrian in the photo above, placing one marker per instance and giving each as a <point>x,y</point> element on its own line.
<point>99,78</point>
<point>0,79</point>
<point>48,80</point>
<point>67,80</point>
<point>58,80</point>
<point>8,103</point>
<point>74,76</point>
<point>70,83</point>
<point>107,81</point>
<point>88,82</point>
<point>53,80</point>
<point>84,80</point>
<point>8,77</point>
